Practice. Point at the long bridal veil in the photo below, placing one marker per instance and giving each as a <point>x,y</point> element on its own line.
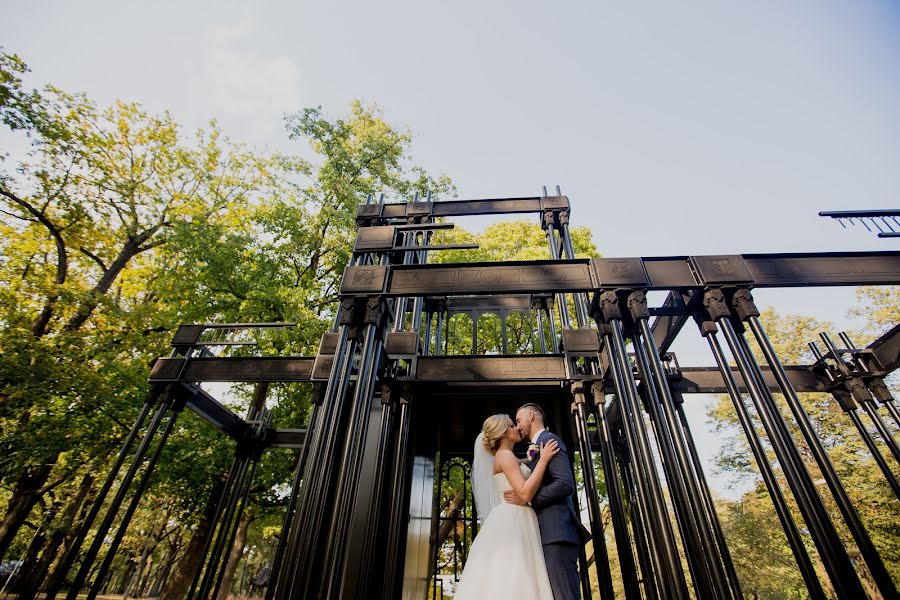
<point>483,490</point>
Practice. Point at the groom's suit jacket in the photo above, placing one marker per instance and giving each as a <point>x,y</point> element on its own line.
<point>553,501</point>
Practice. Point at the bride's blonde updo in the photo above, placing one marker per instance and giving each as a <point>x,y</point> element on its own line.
<point>494,430</point>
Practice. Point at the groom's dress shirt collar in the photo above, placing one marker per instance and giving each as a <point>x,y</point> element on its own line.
<point>536,435</point>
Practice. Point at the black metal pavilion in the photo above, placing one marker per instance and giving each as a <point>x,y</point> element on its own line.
<point>393,410</point>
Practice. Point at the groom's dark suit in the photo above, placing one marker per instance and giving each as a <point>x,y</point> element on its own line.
<point>561,529</point>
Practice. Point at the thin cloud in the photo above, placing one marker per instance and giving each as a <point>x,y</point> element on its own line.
<point>246,83</point>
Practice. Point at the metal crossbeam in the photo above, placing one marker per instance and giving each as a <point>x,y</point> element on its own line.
<point>654,273</point>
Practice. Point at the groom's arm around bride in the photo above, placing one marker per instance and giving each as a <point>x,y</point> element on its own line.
<point>560,527</point>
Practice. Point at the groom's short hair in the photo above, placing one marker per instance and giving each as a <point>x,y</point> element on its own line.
<point>535,408</point>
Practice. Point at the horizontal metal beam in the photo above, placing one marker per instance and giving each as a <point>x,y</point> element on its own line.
<point>654,273</point>
<point>250,369</point>
<point>462,208</point>
<point>666,327</point>
<point>708,380</point>
<point>487,370</point>
<point>844,214</point>
<point>213,412</point>
<point>538,367</point>
<point>886,349</point>
<point>286,438</point>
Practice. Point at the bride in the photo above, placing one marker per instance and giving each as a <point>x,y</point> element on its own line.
<point>506,559</point>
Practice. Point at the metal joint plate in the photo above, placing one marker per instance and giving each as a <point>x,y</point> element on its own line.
<point>620,272</point>
<point>581,342</point>
<point>321,370</point>
<point>722,269</point>
<point>368,211</point>
<point>554,203</point>
<point>329,341</point>
<point>364,279</point>
<point>167,369</point>
<point>399,344</point>
<point>418,209</point>
<point>187,335</point>
<point>369,239</point>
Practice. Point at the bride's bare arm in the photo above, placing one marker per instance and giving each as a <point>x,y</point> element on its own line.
<point>509,464</point>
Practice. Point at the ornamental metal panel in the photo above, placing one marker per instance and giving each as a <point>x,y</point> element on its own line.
<point>233,368</point>
<point>721,270</point>
<point>492,368</point>
<point>373,239</point>
<point>460,208</point>
<point>367,279</point>
<point>824,269</point>
<point>620,272</point>
<point>488,278</point>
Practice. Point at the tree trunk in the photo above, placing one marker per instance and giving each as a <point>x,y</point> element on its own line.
<point>234,557</point>
<point>178,586</point>
<point>86,307</point>
<point>25,495</point>
<point>165,567</point>
<point>79,509</point>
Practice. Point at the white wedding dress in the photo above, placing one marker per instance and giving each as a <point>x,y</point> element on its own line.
<point>506,559</point>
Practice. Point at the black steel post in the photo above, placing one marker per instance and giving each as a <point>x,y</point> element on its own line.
<point>832,552</point>
<point>724,554</point>
<point>88,562</point>
<point>232,497</point>
<point>290,511</point>
<point>893,410</point>
<point>871,409</point>
<point>616,503</point>
<point>233,526</point>
<point>220,505</point>
<point>72,553</point>
<point>601,556</point>
<point>313,502</point>
<point>662,541</point>
<point>851,517</point>
<point>397,515</point>
<point>807,571</point>
<point>361,404</point>
<point>682,475</point>
<point>639,524</point>
<point>366,559</point>
<point>177,406</point>
<point>701,579</point>
<point>876,454</point>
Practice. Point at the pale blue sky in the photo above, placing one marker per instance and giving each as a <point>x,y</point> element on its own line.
<point>675,128</point>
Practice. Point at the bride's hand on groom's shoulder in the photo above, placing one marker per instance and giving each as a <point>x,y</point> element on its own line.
<point>548,451</point>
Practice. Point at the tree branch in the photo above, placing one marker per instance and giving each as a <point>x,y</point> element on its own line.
<point>95,258</point>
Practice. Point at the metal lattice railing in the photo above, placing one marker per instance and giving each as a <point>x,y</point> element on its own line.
<point>884,223</point>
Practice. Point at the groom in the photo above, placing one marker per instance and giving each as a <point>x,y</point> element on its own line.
<point>561,529</point>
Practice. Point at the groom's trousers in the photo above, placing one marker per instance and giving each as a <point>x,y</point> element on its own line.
<point>562,566</point>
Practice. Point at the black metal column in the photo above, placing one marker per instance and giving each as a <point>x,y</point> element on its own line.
<point>177,405</point>
<point>72,553</point>
<point>397,514</point>
<point>834,556</point>
<point>369,359</point>
<point>88,562</point>
<point>684,486</point>
<point>743,302</point>
<point>661,537</point>
<point>617,508</point>
<point>807,570</point>
<point>639,525</point>
<point>320,463</point>
<point>287,532</point>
